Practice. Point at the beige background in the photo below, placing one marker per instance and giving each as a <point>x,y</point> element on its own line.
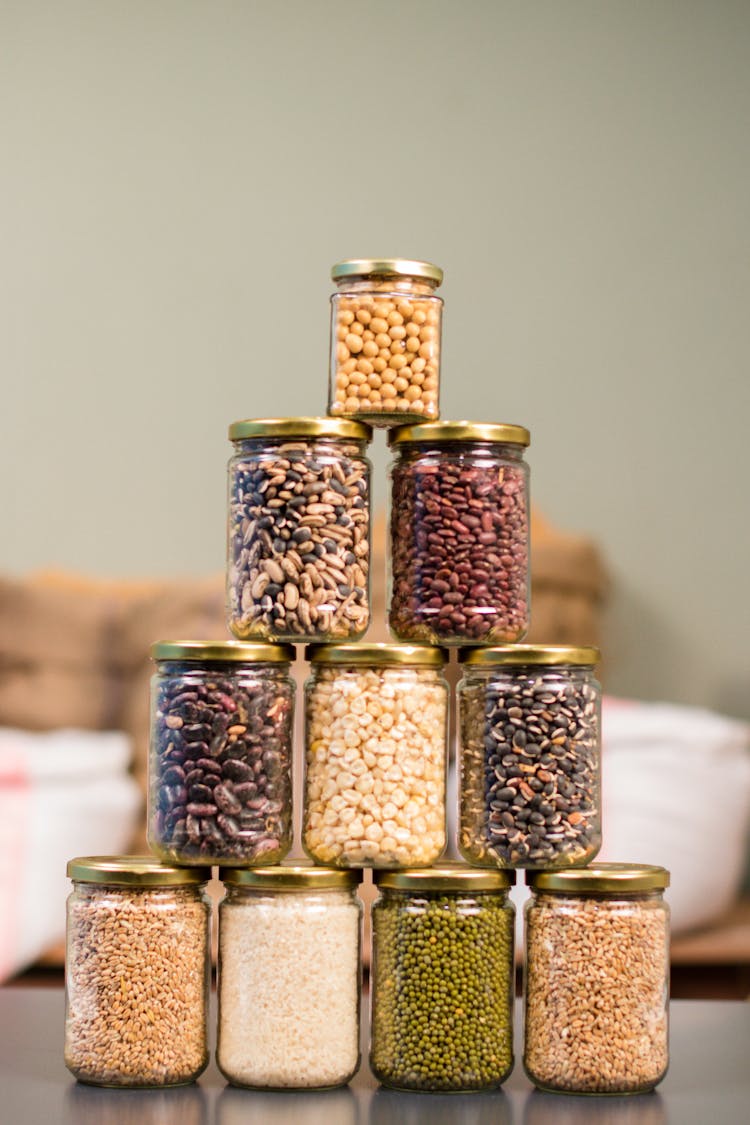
<point>177,178</point>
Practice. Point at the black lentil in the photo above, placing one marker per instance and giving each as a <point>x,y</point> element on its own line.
<point>530,769</point>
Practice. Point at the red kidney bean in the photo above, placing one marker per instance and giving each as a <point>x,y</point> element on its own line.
<point>460,551</point>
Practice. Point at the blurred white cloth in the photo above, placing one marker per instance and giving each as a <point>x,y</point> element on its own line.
<point>62,793</point>
<point>676,792</point>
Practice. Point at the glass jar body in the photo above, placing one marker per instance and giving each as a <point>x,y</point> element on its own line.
<point>385,350</point>
<point>289,988</point>
<point>375,766</point>
<point>220,770</point>
<point>596,992</point>
<point>529,766</point>
<point>459,537</point>
<point>442,990</point>
<point>137,976</point>
<point>298,557</point>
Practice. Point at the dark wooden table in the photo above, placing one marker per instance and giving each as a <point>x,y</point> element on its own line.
<point>708,1084</point>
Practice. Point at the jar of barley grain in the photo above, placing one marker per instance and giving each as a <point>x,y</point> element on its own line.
<point>137,972</point>
<point>597,979</point>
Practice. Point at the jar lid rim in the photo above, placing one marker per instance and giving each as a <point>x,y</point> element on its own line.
<point>445,877</point>
<point>218,652</point>
<point>386,267</point>
<point>300,428</point>
<point>291,877</point>
<point>501,433</point>
<point>133,870</point>
<point>521,655</point>
<point>601,877</point>
<point>380,654</point>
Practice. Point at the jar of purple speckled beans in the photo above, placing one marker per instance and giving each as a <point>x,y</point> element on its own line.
<point>220,784</point>
<point>459,531</point>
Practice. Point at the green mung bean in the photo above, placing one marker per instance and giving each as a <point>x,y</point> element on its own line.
<point>442,990</point>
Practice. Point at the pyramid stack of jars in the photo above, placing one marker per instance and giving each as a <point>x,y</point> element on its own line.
<point>376,721</point>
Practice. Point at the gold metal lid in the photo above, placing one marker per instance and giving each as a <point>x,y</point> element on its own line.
<point>446,877</point>
<point>291,878</point>
<point>627,878</point>
<point>441,432</point>
<point>300,428</point>
<point>222,652</point>
<point>386,267</point>
<point>133,870</point>
<point>519,655</point>
<point>378,655</point>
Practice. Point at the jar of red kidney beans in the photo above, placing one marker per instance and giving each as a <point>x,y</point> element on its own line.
<point>459,530</point>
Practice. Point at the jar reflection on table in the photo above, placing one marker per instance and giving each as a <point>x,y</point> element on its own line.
<point>541,1108</point>
<point>95,1105</point>
<point>259,1107</point>
<point>481,1107</point>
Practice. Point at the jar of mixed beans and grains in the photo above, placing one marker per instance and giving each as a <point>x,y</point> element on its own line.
<point>442,979</point>
<point>137,972</point>
<point>220,769</point>
<point>289,977</point>
<point>597,979</point>
<point>530,756</point>
<point>298,559</point>
<point>375,748</point>
<point>385,341</point>
<point>459,533</point>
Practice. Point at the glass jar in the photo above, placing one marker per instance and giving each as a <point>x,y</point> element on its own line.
<point>597,979</point>
<point>375,751</point>
<point>289,977</point>
<point>442,979</point>
<point>298,558</point>
<point>530,756</point>
<point>385,341</point>
<point>137,972</point>
<point>459,530</point>
<point>220,769</point>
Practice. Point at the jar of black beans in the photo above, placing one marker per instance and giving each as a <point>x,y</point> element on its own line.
<point>220,783</point>
<point>298,558</point>
<point>530,756</point>
<point>442,979</point>
<point>459,533</point>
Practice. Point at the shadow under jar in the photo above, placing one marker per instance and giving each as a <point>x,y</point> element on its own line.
<point>298,556</point>
<point>289,977</point>
<point>385,340</point>
<point>459,533</point>
<point>596,989</point>
<point>137,972</point>
<point>442,979</point>
<point>220,783</point>
<point>529,719</point>
<point>376,721</point>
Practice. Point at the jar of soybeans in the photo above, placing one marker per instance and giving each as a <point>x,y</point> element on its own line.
<point>298,557</point>
<point>375,755</point>
<point>220,766</point>
<point>289,977</point>
<point>597,979</point>
<point>459,533</point>
<point>137,972</point>
<point>529,719</point>
<point>385,341</point>
<point>442,979</point>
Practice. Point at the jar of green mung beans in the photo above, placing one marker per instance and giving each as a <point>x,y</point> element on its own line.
<point>442,979</point>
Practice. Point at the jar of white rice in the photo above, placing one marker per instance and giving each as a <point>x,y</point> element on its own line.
<point>289,977</point>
